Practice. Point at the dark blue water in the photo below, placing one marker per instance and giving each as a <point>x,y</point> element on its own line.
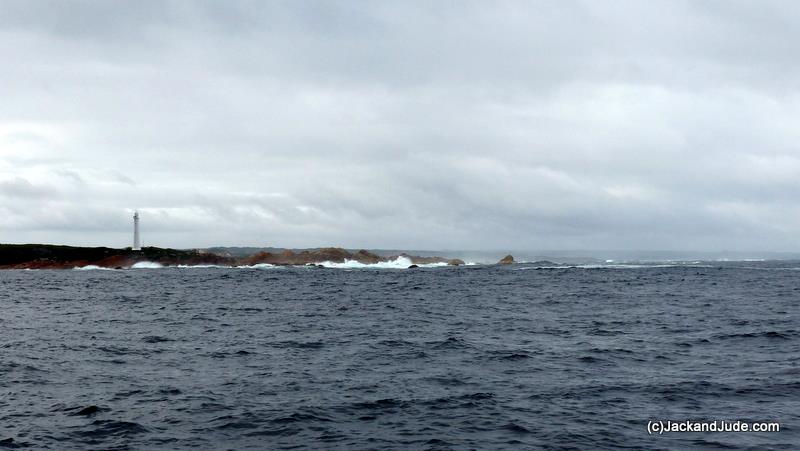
<point>440,358</point>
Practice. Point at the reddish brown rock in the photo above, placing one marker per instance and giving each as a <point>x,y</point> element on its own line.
<point>368,258</point>
<point>417,260</point>
<point>507,260</point>
<point>259,258</point>
<point>41,256</point>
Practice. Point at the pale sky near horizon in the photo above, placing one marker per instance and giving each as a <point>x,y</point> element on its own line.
<point>415,124</point>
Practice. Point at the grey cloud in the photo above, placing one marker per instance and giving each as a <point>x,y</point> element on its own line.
<point>71,176</point>
<point>473,125</point>
<point>22,188</point>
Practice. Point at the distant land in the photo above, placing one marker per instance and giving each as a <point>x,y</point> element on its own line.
<point>49,256</point>
<point>567,257</point>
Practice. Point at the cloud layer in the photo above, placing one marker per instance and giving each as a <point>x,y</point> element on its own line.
<point>460,125</point>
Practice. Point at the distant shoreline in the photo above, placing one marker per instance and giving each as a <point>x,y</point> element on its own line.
<point>50,256</point>
<point>53,256</point>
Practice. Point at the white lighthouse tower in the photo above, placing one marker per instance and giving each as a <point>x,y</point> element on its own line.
<point>137,246</point>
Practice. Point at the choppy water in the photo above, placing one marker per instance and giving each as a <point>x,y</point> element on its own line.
<point>441,358</point>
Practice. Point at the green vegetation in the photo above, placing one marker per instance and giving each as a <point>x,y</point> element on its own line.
<point>11,254</point>
<point>14,254</point>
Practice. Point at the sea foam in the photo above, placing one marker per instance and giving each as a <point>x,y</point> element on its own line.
<point>91,267</point>
<point>201,266</point>
<point>398,263</point>
<point>259,266</point>
<point>147,265</point>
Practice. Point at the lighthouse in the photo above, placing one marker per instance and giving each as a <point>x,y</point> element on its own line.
<point>137,246</point>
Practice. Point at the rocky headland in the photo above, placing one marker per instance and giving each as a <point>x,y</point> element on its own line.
<point>337,255</point>
<point>46,256</point>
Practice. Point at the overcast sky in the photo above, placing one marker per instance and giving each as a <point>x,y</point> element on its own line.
<point>424,125</point>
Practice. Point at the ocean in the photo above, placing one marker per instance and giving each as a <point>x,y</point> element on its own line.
<point>475,357</point>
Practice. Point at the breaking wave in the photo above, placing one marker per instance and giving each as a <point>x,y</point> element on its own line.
<point>621,265</point>
<point>147,265</point>
<point>91,268</point>
<point>398,263</point>
<point>199,266</point>
<point>640,265</point>
<point>258,266</point>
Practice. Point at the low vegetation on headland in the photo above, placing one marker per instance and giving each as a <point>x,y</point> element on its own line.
<point>47,256</point>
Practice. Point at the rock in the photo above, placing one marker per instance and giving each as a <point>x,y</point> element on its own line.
<point>261,257</point>
<point>413,266</point>
<point>455,262</point>
<point>45,256</point>
<point>327,254</point>
<point>366,257</point>
<point>507,260</point>
<point>417,260</point>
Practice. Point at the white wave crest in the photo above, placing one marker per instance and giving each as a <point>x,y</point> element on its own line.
<point>147,265</point>
<point>614,266</point>
<point>398,263</point>
<point>200,266</point>
<point>91,268</point>
<point>259,266</point>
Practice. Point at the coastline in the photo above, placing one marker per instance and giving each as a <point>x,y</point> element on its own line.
<point>50,256</point>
